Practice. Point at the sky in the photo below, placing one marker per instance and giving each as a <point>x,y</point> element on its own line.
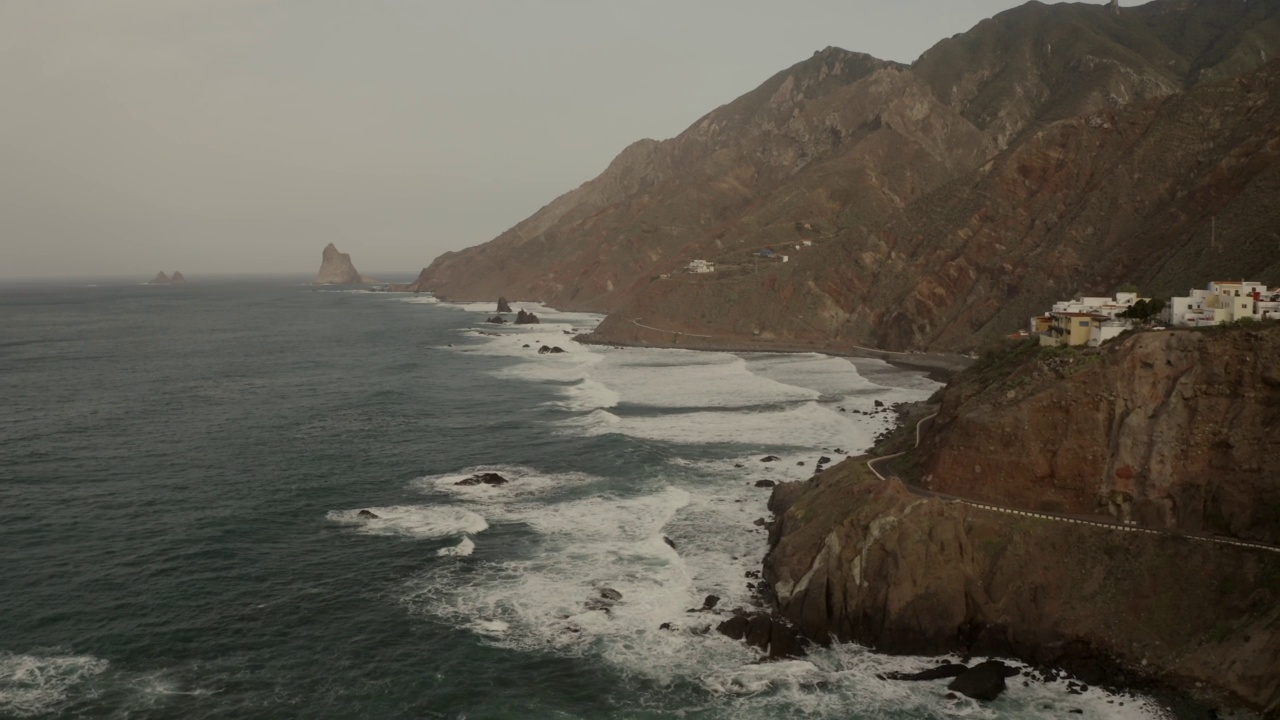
<point>241,136</point>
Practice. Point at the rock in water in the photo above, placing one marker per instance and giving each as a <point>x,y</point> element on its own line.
<point>526,318</point>
<point>487,478</point>
<point>609,593</point>
<point>496,320</point>
<point>176,278</point>
<point>159,279</point>
<point>503,305</point>
<point>366,515</point>
<point>984,681</point>
<point>336,269</point>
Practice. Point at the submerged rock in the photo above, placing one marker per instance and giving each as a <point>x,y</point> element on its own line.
<point>366,515</point>
<point>770,458</point>
<point>609,593</point>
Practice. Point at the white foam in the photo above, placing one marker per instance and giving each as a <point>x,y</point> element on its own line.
<point>808,425</point>
<point>37,684</point>
<point>462,549</point>
<point>415,521</point>
<point>523,484</point>
<point>420,300</point>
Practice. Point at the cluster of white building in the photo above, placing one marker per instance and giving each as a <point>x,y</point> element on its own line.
<point>1085,321</point>
<point>1092,321</point>
<point>700,266</point>
<point>1224,301</point>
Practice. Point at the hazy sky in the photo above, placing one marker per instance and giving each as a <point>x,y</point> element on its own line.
<point>216,136</point>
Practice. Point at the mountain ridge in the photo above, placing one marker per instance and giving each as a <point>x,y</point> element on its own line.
<point>840,149</point>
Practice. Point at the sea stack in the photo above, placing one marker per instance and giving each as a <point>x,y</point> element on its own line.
<point>159,279</point>
<point>336,269</point>
<point>176,278</point>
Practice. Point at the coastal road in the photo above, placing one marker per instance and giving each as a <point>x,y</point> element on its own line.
<point>879,466</point>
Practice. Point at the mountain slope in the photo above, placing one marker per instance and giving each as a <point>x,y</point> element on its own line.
<point>911,184</point>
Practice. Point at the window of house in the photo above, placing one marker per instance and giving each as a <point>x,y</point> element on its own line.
<point>1084,323</point>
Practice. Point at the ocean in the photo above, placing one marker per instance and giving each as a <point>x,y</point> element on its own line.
<point>182,471</point>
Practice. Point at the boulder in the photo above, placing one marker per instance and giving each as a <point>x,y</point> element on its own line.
<point>609,593</point>
<point>984,681</point>
<point>769,458</point>
<point>765,632</point>
<point>710,602</point>
<point>496,320</point>
<point>765,483</point>
<point>556,349</point>
<point>669,542</point>
<point>366,515</point>
<point>824,460</point>
<point>487,478</point>
<point>503,305</point>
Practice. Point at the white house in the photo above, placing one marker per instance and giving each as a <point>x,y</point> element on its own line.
<point>1085,320</point>
<point>700,266</point>
<point>1224,301</point>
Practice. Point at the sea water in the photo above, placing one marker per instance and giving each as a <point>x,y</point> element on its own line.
<point>182,471</point>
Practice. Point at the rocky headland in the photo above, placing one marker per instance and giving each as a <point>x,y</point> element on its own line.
<point>336,269</point>
<point>1033,558</point>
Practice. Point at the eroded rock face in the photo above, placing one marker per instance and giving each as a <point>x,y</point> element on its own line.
<point>336,269</point>
<point>873,562</point>
<point>1174,429</point>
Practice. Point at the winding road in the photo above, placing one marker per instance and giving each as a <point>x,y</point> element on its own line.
<point>1054,517</point>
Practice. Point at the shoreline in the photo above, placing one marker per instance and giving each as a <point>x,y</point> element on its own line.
<point>939,367</point>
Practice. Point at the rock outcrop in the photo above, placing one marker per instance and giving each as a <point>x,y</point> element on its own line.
<point>336,269</point>
<point>526,318</point>
<point>161,279</point>
<point>503,305</point>
<point>861,559</point>
<point>1174,429</point>
<point>1051,150</point>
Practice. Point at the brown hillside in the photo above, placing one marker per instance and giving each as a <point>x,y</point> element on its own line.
<point>1046,152</point>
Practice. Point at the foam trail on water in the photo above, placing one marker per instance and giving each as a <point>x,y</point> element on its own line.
<point>413,521</point>
<point>37,684</point>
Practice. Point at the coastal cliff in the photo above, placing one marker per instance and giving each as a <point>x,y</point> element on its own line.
<point>903,570</point>
<point>1178,429</point>
<point>336,269</point>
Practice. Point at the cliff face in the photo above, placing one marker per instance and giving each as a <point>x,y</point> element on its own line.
<point>336,269</point>
<point>1049,151</point>
<point>1174,429</point>
<point>865,560</point>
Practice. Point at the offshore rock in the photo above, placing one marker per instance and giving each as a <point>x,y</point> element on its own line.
<point>503,305</point>
<point>367,515</point>
<point>159,279</point>
<point>176,278</point>
<point>336,269</point>
<point>487,478</point>
<point>526,318</point>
